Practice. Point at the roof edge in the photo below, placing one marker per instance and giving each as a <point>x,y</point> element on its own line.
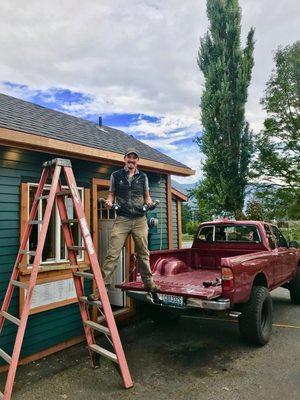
<point>179,194</point>
<point>28,140</point>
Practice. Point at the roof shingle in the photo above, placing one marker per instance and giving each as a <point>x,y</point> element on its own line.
<point>27,117</point>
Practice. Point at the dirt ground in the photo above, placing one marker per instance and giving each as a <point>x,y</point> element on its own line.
<point>195,359</point>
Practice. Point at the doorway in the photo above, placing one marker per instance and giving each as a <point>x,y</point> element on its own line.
<point>103,221</point>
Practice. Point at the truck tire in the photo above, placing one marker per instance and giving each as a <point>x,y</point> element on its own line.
<point>255,322</point>
<point>162,317</point>
<point>295,288</point>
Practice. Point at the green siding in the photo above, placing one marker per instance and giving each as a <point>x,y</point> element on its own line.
<point>55,326</point>
<point>175,224</point>
<point>158,237</point>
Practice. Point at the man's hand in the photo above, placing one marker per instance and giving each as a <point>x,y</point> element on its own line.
<point>149,201</point>
<point>108,204</point>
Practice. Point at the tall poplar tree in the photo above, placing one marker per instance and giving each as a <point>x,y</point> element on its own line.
<point>227,140</point>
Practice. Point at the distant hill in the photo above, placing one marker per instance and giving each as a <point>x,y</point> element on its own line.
<point>184,188</point>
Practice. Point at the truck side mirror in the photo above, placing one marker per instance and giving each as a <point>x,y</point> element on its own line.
<point>294,244</point>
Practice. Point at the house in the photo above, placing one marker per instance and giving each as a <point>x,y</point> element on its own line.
<point>31,135</point>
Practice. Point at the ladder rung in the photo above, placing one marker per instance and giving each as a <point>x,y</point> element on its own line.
<point>84,299</point>
<point>97,327</point>
<point>84,274</point>
<point>28,252</point>
<point>5,357</point>
<point>63,193</point>
<point>76,248</point>
<point>69,221</point>
<point>10,317</point>
<point>104,352</point>
<point>35,222</point>
<point>44,197</point>
<point>20,284</point>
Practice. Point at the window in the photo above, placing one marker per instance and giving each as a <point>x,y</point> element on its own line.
<point>55,250</point>
<point>206,233</point>
<point>281,242</point>
<point>230,233</point>
<point>270,237</point>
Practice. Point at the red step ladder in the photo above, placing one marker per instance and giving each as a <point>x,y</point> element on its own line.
<point>53,170</point>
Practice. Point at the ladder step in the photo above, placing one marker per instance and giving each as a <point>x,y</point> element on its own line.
<point>84,299</point>
<point>10,317</point>
<point>63,193</point>
<point>29,252</point>
<point>44,197</point>
<point>5,357</point>
<point>20,284</point>
<point>35,222</point>
<point>69,221</point>
<point>87,275</point>
<point>103,352</point>
<point>76,248</point>
<point>97,327</point>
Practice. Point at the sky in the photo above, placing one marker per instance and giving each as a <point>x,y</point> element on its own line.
<point>133,62</point>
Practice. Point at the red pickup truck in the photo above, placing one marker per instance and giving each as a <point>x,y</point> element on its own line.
<point>230,269</point>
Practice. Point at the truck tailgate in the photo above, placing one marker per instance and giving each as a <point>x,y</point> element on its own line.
<point>188,284</point>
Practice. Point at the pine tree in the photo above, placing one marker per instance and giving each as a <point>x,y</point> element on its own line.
<point>227,140</point>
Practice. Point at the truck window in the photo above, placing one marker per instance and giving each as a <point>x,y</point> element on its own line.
<point>270,237</point>
<point>281,242</point>
<point>206,233</point>
<point>230,233</point>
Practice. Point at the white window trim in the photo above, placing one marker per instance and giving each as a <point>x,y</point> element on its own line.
<point>57,227</point>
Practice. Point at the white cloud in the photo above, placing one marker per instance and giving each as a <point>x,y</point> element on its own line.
<point>133,56</point>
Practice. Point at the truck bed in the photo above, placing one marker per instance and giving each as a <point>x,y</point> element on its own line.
<point>183,284</point>
<point>182,272</point>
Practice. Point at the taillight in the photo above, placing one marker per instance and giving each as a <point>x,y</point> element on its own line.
<point>227,278</point>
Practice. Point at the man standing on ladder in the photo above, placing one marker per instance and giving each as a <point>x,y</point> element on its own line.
<point>129,188</point>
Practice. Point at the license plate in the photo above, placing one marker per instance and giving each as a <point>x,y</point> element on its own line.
<point>171,300</point>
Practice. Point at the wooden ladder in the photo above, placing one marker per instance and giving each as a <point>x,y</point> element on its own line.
<point>53,169</point>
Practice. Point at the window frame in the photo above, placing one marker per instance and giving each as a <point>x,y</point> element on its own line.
<point>274,228</point>
<point>58,225</point>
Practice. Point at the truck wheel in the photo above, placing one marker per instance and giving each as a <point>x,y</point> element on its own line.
<point>255,322</point>
<point>295,288</point>
<point>162,317</point>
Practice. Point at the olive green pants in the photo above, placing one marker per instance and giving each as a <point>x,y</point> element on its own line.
<point>122,227</point>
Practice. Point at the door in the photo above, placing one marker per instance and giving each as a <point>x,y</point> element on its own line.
<point>286,255</point>
<point>275,259</point>
<point>106,220</point>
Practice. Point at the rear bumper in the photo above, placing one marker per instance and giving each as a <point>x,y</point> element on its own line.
<point>190,302</point>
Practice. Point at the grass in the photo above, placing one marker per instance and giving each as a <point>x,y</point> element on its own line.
<point>291,233</point>
<point>187,237</point>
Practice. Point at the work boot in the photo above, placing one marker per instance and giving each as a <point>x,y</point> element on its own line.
<point>95,296</point>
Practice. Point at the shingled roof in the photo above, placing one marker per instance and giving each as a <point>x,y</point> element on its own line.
<point>23,116</point>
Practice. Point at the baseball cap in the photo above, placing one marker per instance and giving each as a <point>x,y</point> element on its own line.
<point>131,150</point>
